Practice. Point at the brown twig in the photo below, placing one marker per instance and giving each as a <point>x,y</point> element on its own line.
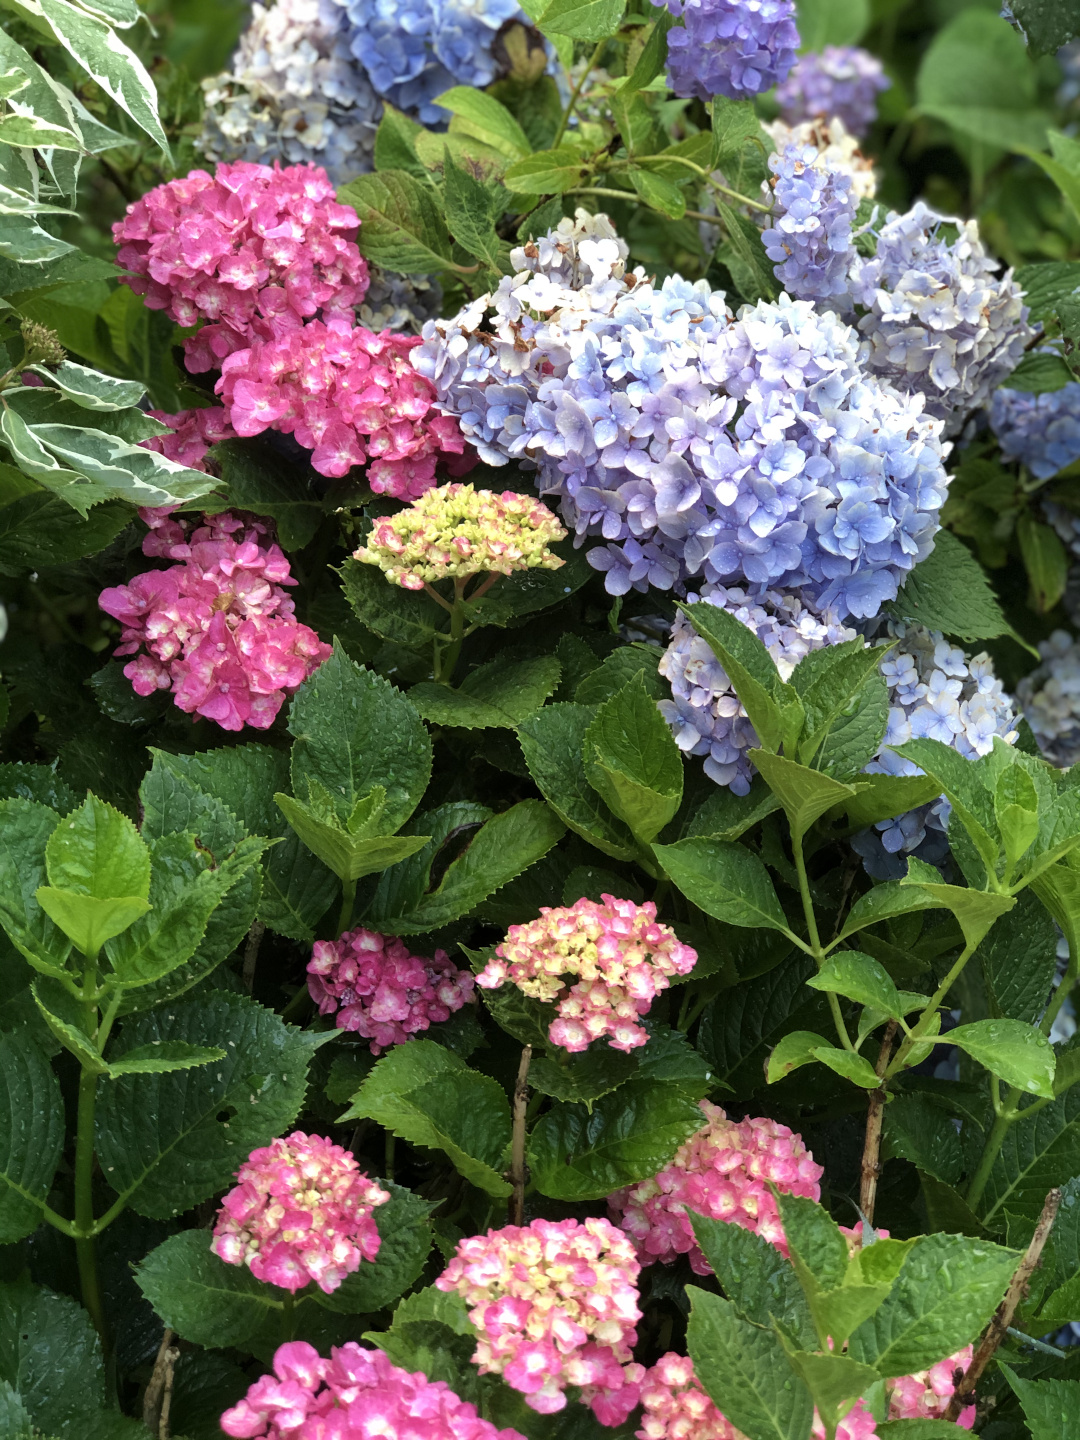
<point>875,1114</point>
<point>251,953</point>
<point>518,1172</point>
<point>158,1397</point>
<point>1003,1316</point>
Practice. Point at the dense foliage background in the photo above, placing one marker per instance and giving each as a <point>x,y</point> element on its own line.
<point>441,778</point>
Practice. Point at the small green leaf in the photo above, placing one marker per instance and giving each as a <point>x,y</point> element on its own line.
<point>861,978</point>
<point>805,794</point>
<point>797,1048</point>
<point>855,1068</point>
<point>1016,1052</point>
<point>581,19</point>
<point>401,223</point>
<point>159,1058</point>
<point>1044,559</point>
<point>495,695</point>
<point>88,921</point>
<point>658,193</point>
<point>348,857</point>
<point>547,172</point>
<point>97,851</point>
<point>832,1379</point>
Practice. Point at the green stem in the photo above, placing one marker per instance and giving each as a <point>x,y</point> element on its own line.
<point>575,94</point>
<point>991,1150</point>
<point>348,900</point>
<point>391,1146</point>
<point>448,647</point>
<point>86,1244</point>
<point>918,1030</point>
<point>816,949</point>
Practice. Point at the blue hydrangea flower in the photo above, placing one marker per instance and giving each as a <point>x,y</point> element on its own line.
<point>1041,431</point>
<point>935,692</point>
<point>941,322</point>
<point>749,452</point>
<point>841,82</point>
<point>738,48</point>
<point>705,714</point>
<point>814,208</point>
<point>415,49</point>
<point>295,92</point>
<point>1050,699</point>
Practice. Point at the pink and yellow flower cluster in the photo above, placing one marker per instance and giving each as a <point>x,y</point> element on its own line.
<point>723,1171</point>
<point>217,629</point>
<point>371,984</point>
<point>302,1211</point>
<point>616,953</point>
<point>456,531</point>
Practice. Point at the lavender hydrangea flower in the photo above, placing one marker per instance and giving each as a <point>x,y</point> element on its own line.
<point>841,81</point>
<point>1041,431</point>
<point>941,322</point>
<point>809,240</point>
<point>295,93</point>
<point>738,48</point>
<point>415,49</point>
<point>936,692</point>
<point>705,714</point>
<point>1050,699</point>
<point>756,451</point>
<point>836,148</point>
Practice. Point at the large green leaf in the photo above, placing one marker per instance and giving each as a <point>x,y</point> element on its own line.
<point>429,1097</point>
<point>400,222</point>
<point>755,1276</point>
<point>51,1358</point>
<point>200,1297</point>
<point>404,1243</point>
<point>632,761</point>
<point>741,1025</point>
<point>1019,957</point>
<point>494,695</point>
<point>31,1134</point>
<point>578,1153</point>
<point>552,742</point>
<point>976,76</point>
<point>1037,1152</point>
<point>166,1142</point>
<point>1011,1049</point>
<point>1051,1407</point>
<point>949,591</point>
<point>25,828</point>
<point>805,794</point>
<point>724,879</point>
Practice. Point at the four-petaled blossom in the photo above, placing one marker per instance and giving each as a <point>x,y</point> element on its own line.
<point>302,1211</point>
<point>724,1171</point>
<point>617,955</point>
<point>371,984</point>
<point>456,531</point>
<point>217,629</point>
<point>252,251</point>
<point>737,48</point>
<point>553,1304</point>
<point>358,1394</point>
<point>841,82</point>
<point>809,239</point>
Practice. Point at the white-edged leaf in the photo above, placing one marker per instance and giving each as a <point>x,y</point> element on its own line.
<point>90,388</point>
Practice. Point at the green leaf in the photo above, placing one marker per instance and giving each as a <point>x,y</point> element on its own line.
<point>167,1142</point>
<point>97,851</point>
<point>495,695</point>
<point>1011,1049</point>
<point>725,880</point>
<point>350,857</point>
<point>41,531</point>
<point>255,476</point>
<point>1041,372</point>
<point>745,1371</point>
<point>832,1379</point>
<point>652,60</point>
<point>1046,284</point>
<point>502,848</point>
<point>976,76</point>
<point>948,1288</point>
<point>773,707</point>
<point>632,761</point>
<point>87,921</point>
<point>90,388</point>
<point>404,1244</point>
<point>742,1023</point>
<point>354,731</point>
<point>818,1249</point>
<point>581,19</point>
<point>401,223</point>
<point>1051,1407</point>
<point>805,794</point>
<point>1019,958</point>
<point>51,1357</point>
<point>25,828</point>
<point>578,1153</point>
<point>404,885</point>
<point>758,1280</point>
<point>1044,558</point>
<point>949,591</point>
<point>200,1297</point>
<point>855,1068</point>
<point>426,1095</point>
<point>743,248</point>
<point>122,471</point>
<point>792,1051</point>
<point>915,1129</point>
<point>658,193</point>
<point>832,22</point>
<point>406,617</point>
<point>162,1056</point>
<point>489,120</point>
<point>547,172</point>
<point>552,742</point>
<point>472,208</point>
<point>582,1077</point>
<point>861,978</point>
<point>1037,1151</point>
<point>31,1134</point>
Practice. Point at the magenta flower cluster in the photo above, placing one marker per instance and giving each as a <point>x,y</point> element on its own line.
<point>191,434</point>
<point>554,1304</point>
<point>301,1212</point>
<point>358,1394</point>
<point>371,984</point>
<point>217,629</point>
<point>723,1171</point>
<point>619,956</point>
<point>347,395</point>
<point>265,261</point>
<point>251,250</point>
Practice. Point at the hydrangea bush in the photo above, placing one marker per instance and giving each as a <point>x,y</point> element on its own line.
<point>539,677</point>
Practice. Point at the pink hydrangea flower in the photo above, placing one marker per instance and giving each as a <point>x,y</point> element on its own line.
<point>217,629</point>
<point>348,396</point>
<point>301,1212</point>
<point>458,531</point>
<point>358,1394</point>
<point>373,985</point>
<point>193,432</point>
<point>722,1171</point>
<point>251,250</point>
<point>554,1304</point>
<point>926,1394</point>
<point>618,955</point>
